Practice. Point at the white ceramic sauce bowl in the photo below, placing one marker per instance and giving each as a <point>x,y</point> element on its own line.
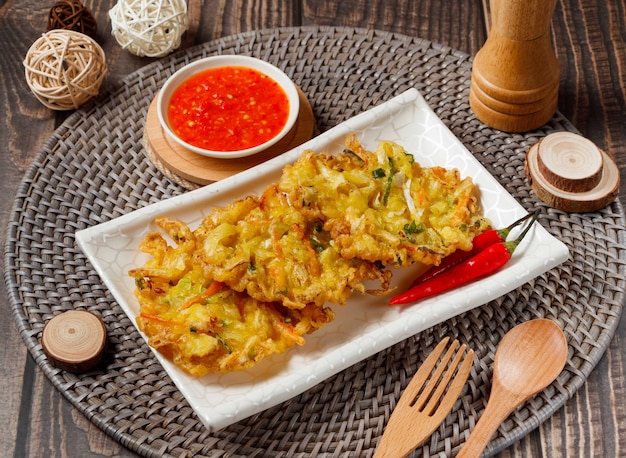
<point>174,81</point>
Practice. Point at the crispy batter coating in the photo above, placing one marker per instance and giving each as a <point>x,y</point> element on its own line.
<point>383,206</point>
<point>201,324</point>
<point>271,250</point>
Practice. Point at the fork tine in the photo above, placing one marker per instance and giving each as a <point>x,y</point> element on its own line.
<point>459,373</point>
<point>435,380</point>
<point>423,374</point>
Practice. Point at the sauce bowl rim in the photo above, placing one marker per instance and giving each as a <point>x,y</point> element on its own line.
<point>234,60</point>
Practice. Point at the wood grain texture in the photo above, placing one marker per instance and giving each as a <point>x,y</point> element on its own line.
<point>589,39</point>
<point>570,173</point>
<point>515,75</point>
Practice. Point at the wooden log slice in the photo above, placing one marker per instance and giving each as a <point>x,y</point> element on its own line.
<point>74,341</point>
<point>570,162</point>
<point>570,173</point>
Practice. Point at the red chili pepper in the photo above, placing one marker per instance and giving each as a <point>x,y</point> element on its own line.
<point>480,242</point>
<point>484,263</point>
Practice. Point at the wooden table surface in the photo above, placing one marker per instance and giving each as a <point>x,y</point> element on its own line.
<point>589,38</point>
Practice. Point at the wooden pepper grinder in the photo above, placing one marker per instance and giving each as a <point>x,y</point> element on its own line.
<point>515,76</point>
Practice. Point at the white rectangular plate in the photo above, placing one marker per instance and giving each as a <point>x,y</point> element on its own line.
<point>366,324</point>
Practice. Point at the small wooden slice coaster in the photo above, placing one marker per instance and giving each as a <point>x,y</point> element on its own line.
<point>569,172</point>
<point>74,341</point>
<point>202,170</point>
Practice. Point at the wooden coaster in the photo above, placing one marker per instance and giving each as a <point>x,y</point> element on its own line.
<point>74,340</point>
<point>569,172</point>
<point>202,170</point>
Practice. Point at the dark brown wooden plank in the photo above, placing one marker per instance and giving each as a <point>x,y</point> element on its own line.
<point>456,23</point>
<point>589,41</point>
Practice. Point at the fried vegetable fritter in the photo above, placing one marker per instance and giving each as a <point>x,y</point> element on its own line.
<point>201,324</point>
<point>271,250</point>
<point>383,206</point>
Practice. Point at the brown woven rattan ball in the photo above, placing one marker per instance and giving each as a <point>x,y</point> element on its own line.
<point>72,15</point>
<point>64,69</point>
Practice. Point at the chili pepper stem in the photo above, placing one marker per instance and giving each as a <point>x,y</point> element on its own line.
<point>506,231</point>
<point>512,245</point>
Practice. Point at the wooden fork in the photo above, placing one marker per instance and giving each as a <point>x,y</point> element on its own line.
<point>427,400</point>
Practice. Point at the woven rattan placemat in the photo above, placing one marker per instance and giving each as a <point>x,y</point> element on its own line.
<point>94,169</point>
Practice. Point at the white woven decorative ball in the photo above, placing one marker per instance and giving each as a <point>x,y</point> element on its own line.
<point>151,28</point>
<point>64,69</point>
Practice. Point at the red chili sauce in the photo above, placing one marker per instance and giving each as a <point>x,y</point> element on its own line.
<point>228,109</point>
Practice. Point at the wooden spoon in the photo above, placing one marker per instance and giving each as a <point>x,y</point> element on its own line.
<point>529,358</point>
